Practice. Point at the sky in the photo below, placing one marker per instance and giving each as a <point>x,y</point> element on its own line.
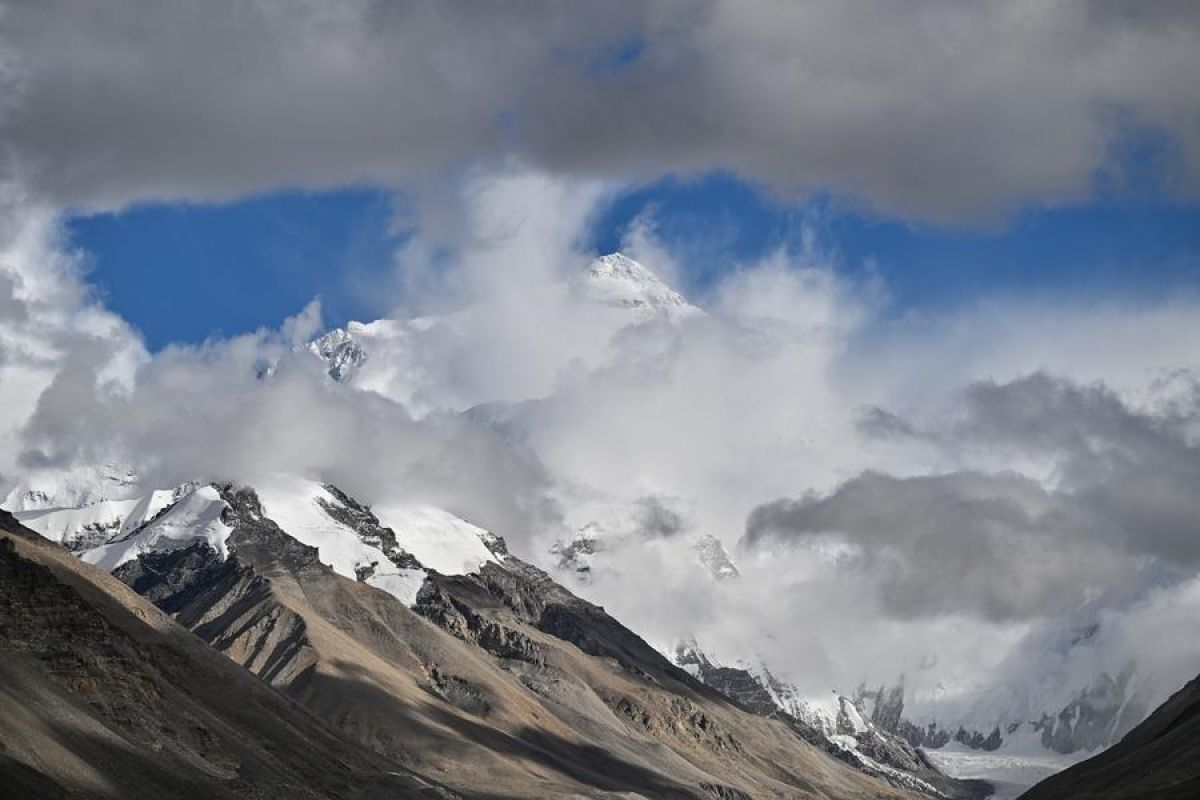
<point>151,262</point>
<point>934,387</point>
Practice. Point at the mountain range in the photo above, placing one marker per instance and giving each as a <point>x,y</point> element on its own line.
<point>496,682</point>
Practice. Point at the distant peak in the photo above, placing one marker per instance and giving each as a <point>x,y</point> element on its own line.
<point>620,264</point>
<point>617,280</point>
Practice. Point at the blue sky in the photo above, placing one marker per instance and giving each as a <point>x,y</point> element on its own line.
<point>184,272</point>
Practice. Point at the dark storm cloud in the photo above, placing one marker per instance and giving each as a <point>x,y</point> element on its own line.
<point>1003,546</point>
<point>1136,470</point>
<point>936,110</point>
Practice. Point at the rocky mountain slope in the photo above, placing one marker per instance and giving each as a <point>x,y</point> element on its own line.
<point>1159,759</point>
<point>102,695</point>
<point>494,681</point>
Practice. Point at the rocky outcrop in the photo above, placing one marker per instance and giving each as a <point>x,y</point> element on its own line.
<point>930,735</point>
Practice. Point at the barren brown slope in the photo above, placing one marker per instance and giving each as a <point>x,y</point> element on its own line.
<point>1159,760</point>
<point>505,685</point>
<point>102,695</point>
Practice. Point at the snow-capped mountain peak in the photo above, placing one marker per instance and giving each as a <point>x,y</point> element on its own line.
<point>619,281</point>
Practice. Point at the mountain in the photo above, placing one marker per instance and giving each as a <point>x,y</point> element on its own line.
<point>102,695</point>
<point>414,640</point>
<point>838,726</point>
<point>1159,759</point>
<point>619,281</point>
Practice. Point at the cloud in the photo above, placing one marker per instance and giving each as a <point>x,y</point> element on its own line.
<point>993,546</point>
<point>1003,545</point>
<point>59,347</point>
<point>935,111</point>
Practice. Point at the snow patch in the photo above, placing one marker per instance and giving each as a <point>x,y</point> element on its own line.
<point>403,584</point>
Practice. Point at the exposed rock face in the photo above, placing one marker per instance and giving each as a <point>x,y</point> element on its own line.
<point>341,352</point>
<point>1160,758</point>
<point>575,555</point>
<point>759,692</point>
<point>462,621</point>
<point>886,705</point>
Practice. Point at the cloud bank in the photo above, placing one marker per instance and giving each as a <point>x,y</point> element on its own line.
<point>936,110</point>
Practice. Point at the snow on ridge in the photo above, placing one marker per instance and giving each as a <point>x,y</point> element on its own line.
<point>438,539</point>
<point>108,532</point>
<point>104,520</point>
<point>196,517</point>
<point>298,507</point>
<point>617,280</point>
